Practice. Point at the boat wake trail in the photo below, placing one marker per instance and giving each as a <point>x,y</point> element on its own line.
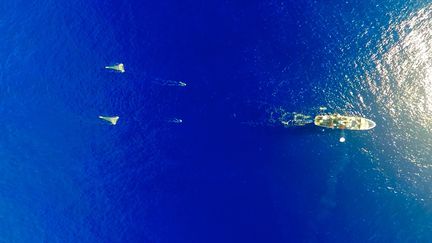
<point>278,116</point>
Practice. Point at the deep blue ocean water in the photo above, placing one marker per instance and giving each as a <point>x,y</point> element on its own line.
<point>227,173</point>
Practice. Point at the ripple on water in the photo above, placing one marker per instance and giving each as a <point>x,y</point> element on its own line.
<point>399,77</point>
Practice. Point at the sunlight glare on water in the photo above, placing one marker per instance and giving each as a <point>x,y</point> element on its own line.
<point>399,77</point>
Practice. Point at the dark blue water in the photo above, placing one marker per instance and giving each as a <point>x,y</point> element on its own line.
<point>226,173</point>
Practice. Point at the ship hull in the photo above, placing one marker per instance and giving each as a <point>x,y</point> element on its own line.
<point>336,121</point>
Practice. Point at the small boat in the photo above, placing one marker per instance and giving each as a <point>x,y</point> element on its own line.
<point>118,67</point>
<point>337,121</point>
<point>111,119</point>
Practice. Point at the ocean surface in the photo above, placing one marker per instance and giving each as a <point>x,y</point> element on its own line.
<point>229,171</point>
